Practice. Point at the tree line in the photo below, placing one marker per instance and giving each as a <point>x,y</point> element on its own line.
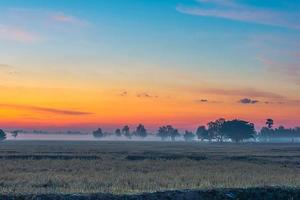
<point>219,130</point>
<point>214,131</point>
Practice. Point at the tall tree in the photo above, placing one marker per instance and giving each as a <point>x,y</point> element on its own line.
<point>238,130</point>
<point>2,135</point>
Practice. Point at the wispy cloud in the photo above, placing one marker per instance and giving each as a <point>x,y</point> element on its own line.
<point>5,66</point>
<point>67,19</point>
<point>251,92</point>
<point>26,25</point>
<point>16,34</point>
<point>232,10</point>
<point>290,70</point>
<point>44,109</point>
<point>43,16</point>
<point>8,69</point>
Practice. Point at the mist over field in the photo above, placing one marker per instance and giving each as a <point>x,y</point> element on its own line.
<point>90,137</point>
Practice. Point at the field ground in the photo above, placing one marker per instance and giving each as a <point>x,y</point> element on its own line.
<point>35,167</point>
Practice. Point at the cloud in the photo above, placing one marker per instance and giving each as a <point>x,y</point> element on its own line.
<point>145,95</point>
<point>248,101</point>
<point>68,19</point>
<point>232,10</point>
<point>42,16</point>
<point>45,109</point>
<point>16,34</point>
<point>5,66</point>
<point>243,92</point>
<point>123,94</point>
<point>17,24</point>
<point>201,101</point>
<point>8,69</point>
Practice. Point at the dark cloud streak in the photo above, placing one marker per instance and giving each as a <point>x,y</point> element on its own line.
<point>145,95</point>
<point>45,109</point>
<point>248,101</point>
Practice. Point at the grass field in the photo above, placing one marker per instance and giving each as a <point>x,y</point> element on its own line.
<point>133,167</point>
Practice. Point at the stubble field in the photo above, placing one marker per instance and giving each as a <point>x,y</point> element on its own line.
<point>35,167</point>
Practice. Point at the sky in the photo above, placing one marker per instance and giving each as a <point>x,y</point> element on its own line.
<point>77,64</point>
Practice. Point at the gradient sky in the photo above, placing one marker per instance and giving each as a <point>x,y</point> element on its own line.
<point>82,64</point>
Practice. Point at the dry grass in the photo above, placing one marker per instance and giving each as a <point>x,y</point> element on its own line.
<point>130,167</point>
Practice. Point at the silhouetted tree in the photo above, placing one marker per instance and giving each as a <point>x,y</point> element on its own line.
<point>141,131</point>
<point>270,123</point>
<point>2,135</point>
<point>238,130</point>
<point>202,133</point>
<point>98,133</point>
<point>126,131</point>
<point>189,136</point>
<point>214,130</point>
<point>118,132</point>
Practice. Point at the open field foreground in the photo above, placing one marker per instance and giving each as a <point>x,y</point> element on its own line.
<point>36,167</point>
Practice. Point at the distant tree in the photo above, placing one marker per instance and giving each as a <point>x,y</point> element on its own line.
<point>238,130</point>
<point>2,135</point>
<point>167,132</point>
<point>189,136</point>
<point>141,131</point>
<point>15,133</point>
<point>265,134</point>
<point>269,123</point>
<point>162,133</point>
<point>214,129</point>
<point>98,133</point>
<point>202,133</point>
<point>126,131</point>
<point>280,130</point>
<point>172,132</point>
<point>118,132</point>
